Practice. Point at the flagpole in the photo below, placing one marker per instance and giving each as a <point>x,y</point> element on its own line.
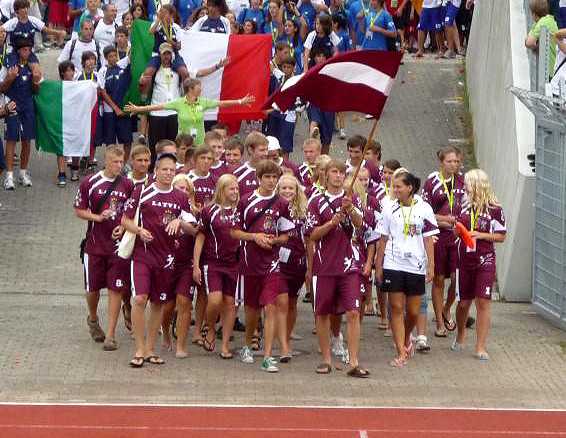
<point>358,167</point>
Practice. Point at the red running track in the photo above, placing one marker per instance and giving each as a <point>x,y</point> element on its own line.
<point>93,421</point>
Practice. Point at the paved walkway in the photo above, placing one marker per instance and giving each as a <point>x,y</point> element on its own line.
<point>47,355</point>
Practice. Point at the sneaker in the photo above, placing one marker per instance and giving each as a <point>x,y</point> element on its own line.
<point>9,183</point>
<point>422,344</point>
<point>25,179</point>
<point>95,331</point>
<point>346,356</point>
<point>62,180</point>
<point>337,345</point>
<point>69,161</point>
<point>369,117</point>
<point>342,134</point>
<point>74,175</point>
<point>449,54</point>
<point>110,345</point>
<point>268,365</point>
<point>238,326</point>
<point>246,355</point>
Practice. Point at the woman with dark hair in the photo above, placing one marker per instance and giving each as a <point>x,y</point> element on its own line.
<point>404,259</point>
<point>273,23</point>
<point>138,11</point>
<point>294,36</point>
<point>249,27</point>
<point>215,21</point>
<point>201,11</point>
<point>322,37</point>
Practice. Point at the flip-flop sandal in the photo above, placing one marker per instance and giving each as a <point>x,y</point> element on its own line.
<point>410,350</point>
<point>204,330</point>
<point>208,345</point>
<point>398,362</point>
<point>440,333</point>
<point>154,360</point>
<point>137,362</point>
<point>127,319</point>
<point>358,372</point>
<point>226,356</point>
<point>181,355</point>
<point>323,368</point>
<point>450,324</point>
<point>482,356</point>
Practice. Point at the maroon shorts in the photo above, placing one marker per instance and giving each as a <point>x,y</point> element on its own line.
<point>336,294</point>
<point>184,283</point>
<point>445,258</point>
<point>220,278</point>
<point>292,283</point>
<point>258,290</point>
<point>475,282</point>
<point>158,283</point>
<point>110,272</point>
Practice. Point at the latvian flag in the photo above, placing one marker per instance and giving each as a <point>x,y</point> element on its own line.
<point>64,117</point>
<point>247,72</point>
<point>352,81</point>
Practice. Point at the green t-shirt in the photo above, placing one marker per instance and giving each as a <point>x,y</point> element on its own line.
<point>191,117</point>
<point>549,22</point>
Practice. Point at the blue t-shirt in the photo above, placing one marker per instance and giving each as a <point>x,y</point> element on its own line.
<point>214,25</point>
<point>297,51</point>
<point>355,8</point>
<point>77,4</point>
<point>162,34</point>
<point>345,41</point>
<point>116,83</point>
<point>376,40</point>
<point>309,12</point>
<point>256,15</point>
<point>152,8</point>
<point>185,8</point>
<point>21,90</point>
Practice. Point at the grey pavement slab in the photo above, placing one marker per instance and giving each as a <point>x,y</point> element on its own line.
<point>47,354</point>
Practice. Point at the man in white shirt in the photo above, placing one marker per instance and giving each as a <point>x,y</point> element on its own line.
<point>104,32</point>
<point>122,6</point>
<point>74,48</point>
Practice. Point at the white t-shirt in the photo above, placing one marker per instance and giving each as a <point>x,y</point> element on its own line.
<point>235,6</point>
<point>334,39</point>
<point>562,4</point>
<point>165,88</point>
<point>104,34</point>
<point>7,8</point>
<point>80,47</point>
<point>429,4</point>
<point>122,6</point>
<point>407,252</point>
<point>561,72</point>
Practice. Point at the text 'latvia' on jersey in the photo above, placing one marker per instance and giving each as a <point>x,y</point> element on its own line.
<point>334,255</point>
<point>89,195</point>
<point>255,260</point>
<point>157,209</point>
<point>205,187</point>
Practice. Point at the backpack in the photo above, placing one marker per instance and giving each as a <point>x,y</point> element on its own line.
<point>98,62</point>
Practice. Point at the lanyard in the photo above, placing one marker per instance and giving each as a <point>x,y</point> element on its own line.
<point>168,77</point>
<point>91,76</point>
<point>273,34</point>
<point>364,9</point>
<point>407,222</point>
<point>386,190</point>
<point>372,22</point>
<point>473,216</point>
<point>292,47</point>
<point>3,54</point>
<point>449,193</point>
<point>170,30</point>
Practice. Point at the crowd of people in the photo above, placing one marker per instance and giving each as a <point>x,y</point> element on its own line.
<point>188,216</point>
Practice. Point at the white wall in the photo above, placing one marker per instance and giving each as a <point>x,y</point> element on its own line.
<point>504,132</point>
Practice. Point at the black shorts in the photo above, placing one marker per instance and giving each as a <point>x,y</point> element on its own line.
<point>403,21</point>
<point>399,281</point>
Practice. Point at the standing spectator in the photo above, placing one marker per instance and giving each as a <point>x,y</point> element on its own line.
<point>451,28</point>
<point>541,18</point>
<point>58,12</point>
<point>74,48</point>
<point>19,84</point>
<point>92,13</point>
<point>106,27</point>
<point>294,35</point>
<point>430,21</point>
<point>322,38</point>
<point>121,41</point>
<point>214,21</point>
<point>76,9</point>
<point>138,12</point>
<point>185,8</point>
<point>122,6</point>
<point>253,13</point>
<point>273,22</point>
<point>378,26</point>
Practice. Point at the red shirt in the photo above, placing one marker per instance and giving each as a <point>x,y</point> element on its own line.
<point>90,193</point>
<point>247,179</point>
<point>157,209</point>
<point>255,260</point>
<point>216,224</point>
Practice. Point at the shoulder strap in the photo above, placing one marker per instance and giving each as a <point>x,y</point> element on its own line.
<point>73,44</point>
<point>102,200</point>
<point>262,212</point>
<point>559,67</point>
<point>98,61</point>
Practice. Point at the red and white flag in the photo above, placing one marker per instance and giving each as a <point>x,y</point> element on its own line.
<point>247,72</point>
<point>352,81</point>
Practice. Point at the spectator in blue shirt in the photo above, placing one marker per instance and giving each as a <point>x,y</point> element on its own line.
<point>340,26</point>
<point>378,26</point>
<point>358,9</point>
<point>253,13</point>
<point>76,9</point>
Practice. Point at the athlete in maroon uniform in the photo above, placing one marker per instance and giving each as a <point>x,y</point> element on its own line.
<point>215,264</point>
<point>356,146</point>
<point>475,272</point>
<point>261,223</point>
<point>140,157</point>
<point>311,151</point>
<point>203,180</point>
<point>163,210</point>
<point>331,221</point>
<point>100,200</point>
<point>215,141</point>
<point>444,191</point>
<point>256,145</point>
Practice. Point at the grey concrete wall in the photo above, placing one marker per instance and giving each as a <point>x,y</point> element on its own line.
<point>504,132</point>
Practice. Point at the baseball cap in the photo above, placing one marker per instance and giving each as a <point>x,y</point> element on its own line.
<point>165,47</point>
<point>273,143</point>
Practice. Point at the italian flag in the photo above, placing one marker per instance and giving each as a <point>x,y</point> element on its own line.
<point>65,117</point>
<point>247,72</point>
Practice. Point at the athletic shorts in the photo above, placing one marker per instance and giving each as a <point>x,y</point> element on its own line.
<point>450,14</point>
<point>184,283</point>
<point>220,278</point>
<point>21,126</point>
<point>117,128</point>
<point>286,136</point>
<point>292,282</point>
<point>475,283</point>
<point>257,291</point>
<point>334,295</point>
<point>405,282</point>
<point>445,258</point>
<point>430,20</point>
<point>157,283</point>
<point>178,61</point>
<point>402,21</point>
<point>111,272</point>
<point>325,121</point>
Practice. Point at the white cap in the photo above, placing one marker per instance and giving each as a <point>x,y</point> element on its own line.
<point>273,144</point>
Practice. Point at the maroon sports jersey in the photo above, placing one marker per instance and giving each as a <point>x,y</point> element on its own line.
<point>204,187</point>
<point>90,193</point>
<point>312,192</point>
<point>292,255</point>
<point>255,260</point>
<point>334,254</point>
<point>157,209</point>
<point>216,222</point>
<point>247,179</point>
<point>285,163</point>
<point>220,169</point>
<point>306,173</point>
<point>184,246</point>
<point>434,193</point>
<point>375,173</point>
<point>490,221</point>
